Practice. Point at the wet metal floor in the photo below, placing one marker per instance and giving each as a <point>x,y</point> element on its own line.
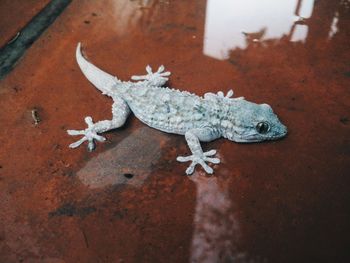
<point>129,201</point>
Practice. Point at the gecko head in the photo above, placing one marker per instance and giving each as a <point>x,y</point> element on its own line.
<point>250,122</point>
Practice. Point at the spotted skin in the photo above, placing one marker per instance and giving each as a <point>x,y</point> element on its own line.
<point>199,119</point>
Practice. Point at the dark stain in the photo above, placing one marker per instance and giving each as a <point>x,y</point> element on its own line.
<point>69,174</point>
<point>179,26</point>
<point>233,62</point>
<point>344,120</point>
<point>303,80</point>
<point>71,210</point>
<point>190,28</point>
<point>128,175</point>
<point>56,146</point>
<point>85,239</point>
<point>347,74</point>
<point>16,88</point>
<point>344,148</point>
<point>292,108</point>
<point>120,214</point>
<point>94,14</point>
<point>170,25</point>
<point>87,22</point>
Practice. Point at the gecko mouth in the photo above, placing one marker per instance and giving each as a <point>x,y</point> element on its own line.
<point>260,138</point>
<point>278,136</point>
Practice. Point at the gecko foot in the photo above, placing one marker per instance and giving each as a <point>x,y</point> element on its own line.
<point>199,159</point>
<point>89,135</point>
<point>155,78</point>
<point>221,96</point>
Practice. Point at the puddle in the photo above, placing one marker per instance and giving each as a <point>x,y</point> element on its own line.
<point>251,20</point>
<point>130,162</point>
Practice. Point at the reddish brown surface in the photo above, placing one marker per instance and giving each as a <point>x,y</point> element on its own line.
<point>15,14</point>
<point>284,201</point>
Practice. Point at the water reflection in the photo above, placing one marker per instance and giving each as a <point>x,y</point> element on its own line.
<point>128,16</point>
<point>216,227</point>
<point>334,26</point>
<point>234,24</point>
<point>134,14</point>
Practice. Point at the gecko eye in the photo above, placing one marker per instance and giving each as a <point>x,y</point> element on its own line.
<point>262,127</point>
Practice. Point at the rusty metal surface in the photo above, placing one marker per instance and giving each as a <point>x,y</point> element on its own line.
<point>284,201</point>
<point>15,14</point>
<point>14,50</point>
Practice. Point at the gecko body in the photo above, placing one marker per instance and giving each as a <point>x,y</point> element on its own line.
<point>200,119</point>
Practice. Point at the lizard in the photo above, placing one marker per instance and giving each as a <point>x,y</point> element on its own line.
<point>199,119</point>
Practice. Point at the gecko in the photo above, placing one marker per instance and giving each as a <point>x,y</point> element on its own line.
<point>199,119</point>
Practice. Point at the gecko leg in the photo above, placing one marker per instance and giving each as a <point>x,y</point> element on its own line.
<point>158,78</point>
<point>193,138</point>
<point>120,111</point>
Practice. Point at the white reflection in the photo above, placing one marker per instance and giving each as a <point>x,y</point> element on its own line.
<point>228,22</point>
<point>334,26</point>
<point>216,228</point>
<point>129,14</point>
<point>299,33</point>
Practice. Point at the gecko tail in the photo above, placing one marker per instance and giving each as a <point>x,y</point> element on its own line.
<point>103,81</point>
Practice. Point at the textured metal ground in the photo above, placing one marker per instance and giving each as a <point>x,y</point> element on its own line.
<point>284,201</point>
<point>15,48</point>
<point>15,14</point>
